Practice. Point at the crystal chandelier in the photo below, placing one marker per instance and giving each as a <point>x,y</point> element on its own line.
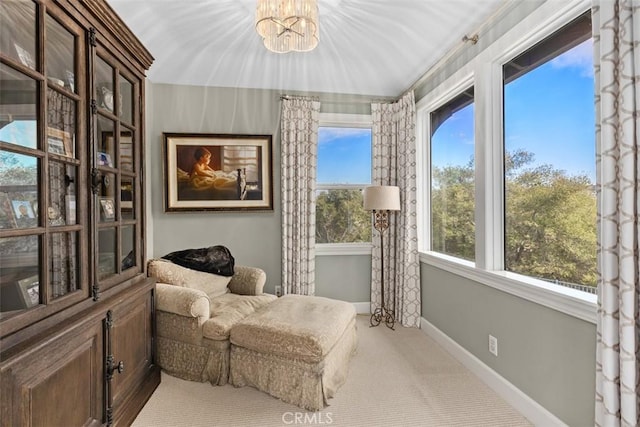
<point>287,25</point>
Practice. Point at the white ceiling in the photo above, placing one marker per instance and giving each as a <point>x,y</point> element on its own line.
<point>367,47</point>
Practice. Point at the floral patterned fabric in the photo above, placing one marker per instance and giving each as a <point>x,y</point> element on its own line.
<point>211,284</point>
<point>295,326</point>
<point>193,328</point>
<point>299,352</point>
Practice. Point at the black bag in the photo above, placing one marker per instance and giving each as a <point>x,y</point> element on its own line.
<point>214,259</point>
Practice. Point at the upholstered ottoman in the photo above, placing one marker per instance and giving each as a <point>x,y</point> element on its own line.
<point>297,349</point>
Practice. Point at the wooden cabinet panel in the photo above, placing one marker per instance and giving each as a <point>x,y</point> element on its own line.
<point>58,383</point>
<point>132,343</point>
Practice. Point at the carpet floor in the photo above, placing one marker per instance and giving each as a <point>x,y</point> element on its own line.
<point>397,378</point>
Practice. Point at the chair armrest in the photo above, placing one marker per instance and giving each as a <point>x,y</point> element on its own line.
<point>182,301</point>
<point>247,280</point>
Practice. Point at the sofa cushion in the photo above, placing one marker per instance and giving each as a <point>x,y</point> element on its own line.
<point>295,327</point>
<point>229,309</point>
<point>167,272</point>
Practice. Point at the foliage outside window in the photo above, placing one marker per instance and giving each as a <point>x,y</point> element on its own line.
<point>550,200</point>
<point>344,169</point>
<point>452,178</point>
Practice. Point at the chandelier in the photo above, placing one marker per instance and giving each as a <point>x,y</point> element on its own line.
<point>287,25</point>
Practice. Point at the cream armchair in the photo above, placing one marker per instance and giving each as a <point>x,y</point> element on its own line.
<point>195,312</point>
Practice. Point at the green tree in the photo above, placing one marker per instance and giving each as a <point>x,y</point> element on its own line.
<point>550,224</point>
<point>452,211</point>
<point>13,172</point>
<point>550,219</point>
<point>341,218</point>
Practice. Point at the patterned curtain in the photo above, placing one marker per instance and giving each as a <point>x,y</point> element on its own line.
<point>298,157</point>
<point>616,31</point>
<point>394,163</point>
<point>62,269</point>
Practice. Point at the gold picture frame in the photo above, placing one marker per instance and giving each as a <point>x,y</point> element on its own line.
<point>30,291</point>
<point>217,172</point>
<point>59,142</point>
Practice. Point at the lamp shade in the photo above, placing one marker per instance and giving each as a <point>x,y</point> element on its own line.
<point>382,198</point>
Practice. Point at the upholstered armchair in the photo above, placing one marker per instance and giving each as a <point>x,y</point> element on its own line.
<point>195,312</point>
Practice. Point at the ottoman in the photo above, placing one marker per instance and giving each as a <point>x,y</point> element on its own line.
<point>297,349</point>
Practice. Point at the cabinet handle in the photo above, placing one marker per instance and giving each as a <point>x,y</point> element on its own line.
<point>111,367</point>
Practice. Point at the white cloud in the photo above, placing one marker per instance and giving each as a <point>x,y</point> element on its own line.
<point>580,57</point>
<point>327,135</point>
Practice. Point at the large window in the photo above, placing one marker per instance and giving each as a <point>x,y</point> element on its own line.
<point>344,169</point>
<point>508,164</point>
<point>452,178</point>
<point>549,158</point>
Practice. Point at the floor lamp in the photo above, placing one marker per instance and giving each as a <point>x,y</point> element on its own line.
<point>381,199</point>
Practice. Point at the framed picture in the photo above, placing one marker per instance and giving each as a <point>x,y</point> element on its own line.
<point>104,159</point>
<point>23,209</point>
<point>126,195</point>
<point>30,291</point>
<point>107,209</point>
<point>59,142</point>
<point>220,172</point>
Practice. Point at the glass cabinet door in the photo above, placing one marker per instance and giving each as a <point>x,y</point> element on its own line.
<point>117,201</point>
<point>40,164</point>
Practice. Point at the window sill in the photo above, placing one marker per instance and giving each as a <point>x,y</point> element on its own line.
<point>340,249</point>
<point>569,301</point>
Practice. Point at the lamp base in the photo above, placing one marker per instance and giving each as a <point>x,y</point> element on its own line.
<point>382,314</point>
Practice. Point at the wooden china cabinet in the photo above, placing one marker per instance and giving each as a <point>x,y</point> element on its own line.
<point>76,308</point>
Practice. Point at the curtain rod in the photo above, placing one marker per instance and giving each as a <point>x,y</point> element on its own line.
<point>340,101</point>
<point>489,21</point>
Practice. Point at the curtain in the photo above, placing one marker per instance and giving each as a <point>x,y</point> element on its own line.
<point>62,268</point>
<point>394,163</point>
<point>298,156</point>
<point>616,31</point>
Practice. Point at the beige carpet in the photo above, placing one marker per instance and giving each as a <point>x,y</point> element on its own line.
<point>397,378</point>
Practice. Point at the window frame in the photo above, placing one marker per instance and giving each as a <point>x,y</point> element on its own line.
<point>363,121</point>
<point>484,71</point>
<point>450,94</point>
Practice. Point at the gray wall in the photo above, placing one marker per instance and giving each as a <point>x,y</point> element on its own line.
<point>548,355</point>
<point>252,237</point>
<point>347,278</point>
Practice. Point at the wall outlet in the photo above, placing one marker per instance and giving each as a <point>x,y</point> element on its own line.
<point>493,345</point>
<point>278,290</point>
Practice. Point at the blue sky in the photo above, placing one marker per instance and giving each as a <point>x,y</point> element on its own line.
<point>344,156</point>
<point>549,112</point>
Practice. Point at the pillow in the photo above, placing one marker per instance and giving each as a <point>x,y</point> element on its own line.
<point>213,285</point>
<point>214,259</point>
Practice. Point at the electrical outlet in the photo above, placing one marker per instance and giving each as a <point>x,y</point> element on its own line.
<point>278,290</point>
<point>493,345</point>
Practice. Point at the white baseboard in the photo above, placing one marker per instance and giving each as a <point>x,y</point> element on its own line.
<point>362,307</point>
<point>528,407</point>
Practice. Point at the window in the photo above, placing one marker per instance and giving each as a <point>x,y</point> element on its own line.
<point>549,158</point>
<point>515,207</point>
<point>344,169</point>
<point>452,178</point>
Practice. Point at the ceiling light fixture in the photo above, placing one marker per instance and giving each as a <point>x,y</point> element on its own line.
<point>287,25</point>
